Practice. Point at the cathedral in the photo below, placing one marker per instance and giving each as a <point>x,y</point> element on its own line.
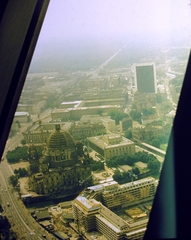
<point>64,167</point>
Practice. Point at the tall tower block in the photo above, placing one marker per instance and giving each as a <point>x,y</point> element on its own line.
<point>145,78</point>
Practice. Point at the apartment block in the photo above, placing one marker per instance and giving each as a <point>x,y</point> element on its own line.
<point>84,211</point>
<point>129,193</point>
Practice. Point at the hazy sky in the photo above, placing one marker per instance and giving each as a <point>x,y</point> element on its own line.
<point>106,19</point>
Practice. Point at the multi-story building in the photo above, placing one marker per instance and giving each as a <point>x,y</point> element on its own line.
<point>110,145</point>
<point>145,78</point>
<point>129,193</point>
<point>103,102</point>
<point>85,129</point>
<point>144,100</point>
<point>125,123</point>
<point>77,113</point>
<point>84,211</point>
<point>147,133</point>
<point>116,80</point>
<point>89,214</point>
<point>111,225</point>
<point>40,133</point>
<point>115,196</point>
<point>109,124</point>
<point>22,117</point>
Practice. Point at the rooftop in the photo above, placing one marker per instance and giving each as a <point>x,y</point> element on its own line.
<point>98,140</point>
<point>88,204</point>
<point>21,114</point>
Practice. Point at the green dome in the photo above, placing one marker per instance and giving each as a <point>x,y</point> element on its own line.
<point>60,140</point>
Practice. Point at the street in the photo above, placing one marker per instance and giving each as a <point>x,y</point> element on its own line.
<point>21,221</point>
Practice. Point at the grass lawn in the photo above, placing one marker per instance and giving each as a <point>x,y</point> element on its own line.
<point>163,147</point>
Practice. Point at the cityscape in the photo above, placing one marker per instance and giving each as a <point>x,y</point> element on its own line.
<point>88,140</point>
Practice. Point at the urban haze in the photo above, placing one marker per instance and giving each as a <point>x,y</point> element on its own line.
<point>90,133</point>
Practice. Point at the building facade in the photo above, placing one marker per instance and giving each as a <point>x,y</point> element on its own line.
<point>90,214</point>
<point>110,145</point>
<point>63,168</point>
<point>85,129</point>
<point>77,113</point>
<point>129,193</point>
<point>145,77</point>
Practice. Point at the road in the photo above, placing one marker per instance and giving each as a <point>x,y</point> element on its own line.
<point>21,220</point>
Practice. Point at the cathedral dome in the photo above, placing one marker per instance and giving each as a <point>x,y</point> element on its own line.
<point>60,140</point>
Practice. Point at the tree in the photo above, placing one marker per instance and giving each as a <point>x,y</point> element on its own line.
<point>34,168</point>
<point>101,133</point>
<point>100,111</point>
<point>13,179</point>
<point>148,111</point>
<point>117,115</point>
<point>23,141</point>
<point>136,170</point>
<point>154,165</point>
<point>17,154</point>
<point>128,133</point>
<point>21,172</point>
<point>136,115</point>
<point>96,165</point>
<point>156,143</point>
<point>18,123</point>
<point>79,148</point>
<point>117,175</point>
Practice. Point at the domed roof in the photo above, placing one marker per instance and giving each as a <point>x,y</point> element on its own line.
<point>60,140</point>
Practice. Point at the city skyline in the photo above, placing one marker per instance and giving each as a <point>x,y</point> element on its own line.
<point>95,30</point>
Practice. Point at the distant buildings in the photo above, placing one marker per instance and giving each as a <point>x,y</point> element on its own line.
<point>77,113</point>
<point>110,145</point>
<point>39,132</point>
<point>145,78</point>
<point>85,129</point>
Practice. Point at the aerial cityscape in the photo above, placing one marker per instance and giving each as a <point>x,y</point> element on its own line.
<point>89,137</point>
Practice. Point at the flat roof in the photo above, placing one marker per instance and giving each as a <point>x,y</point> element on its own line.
<point>144,64</point>
<point>141,164</point>
<point>97,140</point>
<point>144,180</point>
<point>21,114</point>
<point>126,167</point>
<point>108,223</point>
<point>96,188</point>
<point>88,204</point>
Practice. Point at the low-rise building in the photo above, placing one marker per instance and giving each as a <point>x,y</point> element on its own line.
<point>109,124</point>
<point>125,124</point>
<point>141,166</point>
<point>110,145</point>
<point>77,113</point>
<point>22,117</point>
<point>85,129</point>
